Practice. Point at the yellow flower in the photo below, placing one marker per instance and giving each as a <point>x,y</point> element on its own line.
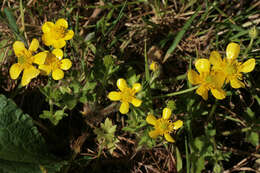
<point>126,95</point>
<point>231,68</point>
<point>154,66</point>
<point>55,64</point>
<point>163,126</point>
<point>26,60</point>
<point>56,34</point>
<point>207,80</point>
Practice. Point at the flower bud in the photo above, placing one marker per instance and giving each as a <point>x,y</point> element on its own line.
<point>253,32</point>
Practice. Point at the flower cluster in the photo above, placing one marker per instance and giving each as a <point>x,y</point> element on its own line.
<point>163,126</point>
<point>216,72</point>
<point>48,62</point>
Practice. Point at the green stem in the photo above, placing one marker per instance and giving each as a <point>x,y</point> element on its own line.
<point>187,156</point>
<point>177,93</point>
<point>213,109</point>
<point>227,133</point>
<point>51,106</point>
<point>249,47</point>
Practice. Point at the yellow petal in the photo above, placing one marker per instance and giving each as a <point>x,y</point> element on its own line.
<point>47,27</point>
<point>235,83</point>
<point>232,51</point>
<point>58,53</point>
<point>15,71</point>
<point>154,133</point>
<point>69,35</point>
<point>248,66</point>
<point>19,48</point>
<point>46,39</point>
<point>59,43</point>
<point>34,45</point>
<point>39,58</point>
<point>150,119</point>
<point>136,102</point>
<point>65,64</point>
<point>168,137</point>
<point>167,113</point>
<point>219,79</point>
<point>177,124</point>
<point>218,93</point>
<point>124,108</point>
<point>203,92</point>
<point>28,74</point>
<point>202,65</point>
<point>62,22</point>
<point>137,87</point>
<point>215,59</point>
<point>57,74</point>
<point>114,96</point>
<point>193,77</point>
<point>121,84</point>
<point>45,68</point>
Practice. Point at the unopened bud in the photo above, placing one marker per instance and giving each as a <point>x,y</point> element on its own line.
<point>253,32</point>
<point>171,104</point>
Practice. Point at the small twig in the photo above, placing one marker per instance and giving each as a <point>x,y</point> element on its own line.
<point>239,152</point>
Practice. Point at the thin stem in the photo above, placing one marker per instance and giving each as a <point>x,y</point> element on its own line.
<point>213,109</point>
<point>178,92</point>
<point>187,156</point>
<point>51,106</point>
<point>249,47</point>
<point>226,133</point>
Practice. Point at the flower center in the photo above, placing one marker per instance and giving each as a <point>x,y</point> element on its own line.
<point>52,61</point>
<point>231,69</point>
<point>21,60</point>
<point>59,32</point>
<point>209,79</point>
<point>164,126</point>
<point>127,95</point>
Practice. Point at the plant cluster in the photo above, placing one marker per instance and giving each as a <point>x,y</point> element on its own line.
<point>94,96</point>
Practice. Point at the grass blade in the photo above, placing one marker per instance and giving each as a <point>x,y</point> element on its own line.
<point>11,20</point>
<point>180,34</point>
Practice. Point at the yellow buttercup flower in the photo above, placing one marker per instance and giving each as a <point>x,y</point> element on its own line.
<point>126,95</point>
<point>231,68</point>
<point>26,60</point>
<point>55,64</point>
<point>163,126</point>
<point>56,34</point>
<point>207,80</point>
<point>154,66</point>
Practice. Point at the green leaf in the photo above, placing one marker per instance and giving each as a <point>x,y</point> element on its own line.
<point>108,61</point>
<point>11,20</point>
<point>13,26</point>
<point>200,164</point>
<point>217,168</point>
<point>179,160</point>
<point>131,76</point>
<point>106,135</point>
<point>21,145</point>
<point>199,143</point>
<point>250,113</point>
<point>253,138</point>
<point>54,118</point>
